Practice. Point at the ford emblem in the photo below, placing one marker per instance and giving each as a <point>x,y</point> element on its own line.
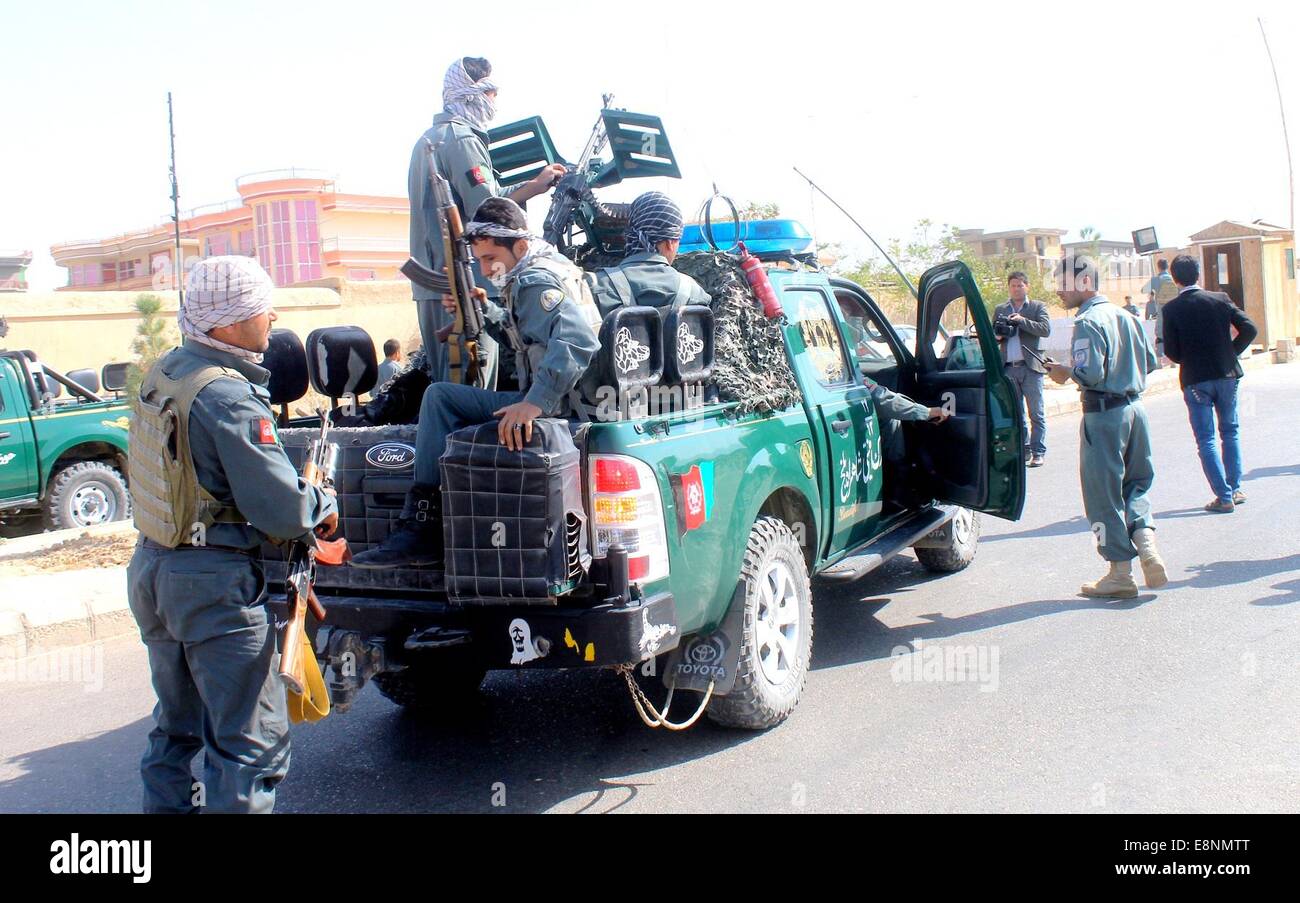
<point>391,456</point>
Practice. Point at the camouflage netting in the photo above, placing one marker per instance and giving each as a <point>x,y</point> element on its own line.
<point>750,362</point>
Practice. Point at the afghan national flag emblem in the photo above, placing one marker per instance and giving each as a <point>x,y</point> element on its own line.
<point>264,432</point>
<point>694,491</point>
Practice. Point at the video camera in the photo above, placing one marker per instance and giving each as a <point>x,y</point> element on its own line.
<point>1002,326</point>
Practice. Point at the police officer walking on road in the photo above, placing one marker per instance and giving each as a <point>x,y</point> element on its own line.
<point>460,141</point>
<point>1110,360</point>
<point>210,483</point>
<point>550,321</point>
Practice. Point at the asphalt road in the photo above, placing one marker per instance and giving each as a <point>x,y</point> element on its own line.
<point>1185,700</point>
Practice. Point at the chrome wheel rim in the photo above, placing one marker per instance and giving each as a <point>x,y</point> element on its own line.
<point>93,504</point>
<point>776,624</point>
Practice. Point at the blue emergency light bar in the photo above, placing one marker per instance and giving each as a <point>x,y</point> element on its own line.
<point>761,237</point>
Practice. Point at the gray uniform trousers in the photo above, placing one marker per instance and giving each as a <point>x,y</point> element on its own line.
<point>212,651</point>
<point>1116,473</point>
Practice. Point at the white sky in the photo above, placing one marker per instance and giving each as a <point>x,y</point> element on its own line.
<point>992,114</point>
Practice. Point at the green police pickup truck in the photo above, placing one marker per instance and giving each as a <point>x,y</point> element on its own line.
<point>691,537</point>
<point>62,460</point>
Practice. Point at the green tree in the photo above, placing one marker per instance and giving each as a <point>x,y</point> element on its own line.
<point>153,338</point>
<point>930,245</point>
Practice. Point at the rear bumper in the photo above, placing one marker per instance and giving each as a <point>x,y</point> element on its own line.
<point>498,637</point>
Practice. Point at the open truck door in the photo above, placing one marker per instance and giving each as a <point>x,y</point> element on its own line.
<point>975,458</point>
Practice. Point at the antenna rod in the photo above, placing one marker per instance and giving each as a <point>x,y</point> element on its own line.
<point>1290,168</point>
<point>177,269</point>
<point>907,282</point>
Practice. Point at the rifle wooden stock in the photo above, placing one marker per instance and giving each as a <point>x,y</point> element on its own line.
<point>465,364</point>
<point>300,595</point>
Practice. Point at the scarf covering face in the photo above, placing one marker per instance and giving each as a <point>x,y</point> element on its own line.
<point>654,218</point>
<point>537,249</point>
<point>466,98</point>
<point>223,291</point>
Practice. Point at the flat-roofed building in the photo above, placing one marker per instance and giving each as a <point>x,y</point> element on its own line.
<point>296,223</point>
<point>13,270</point>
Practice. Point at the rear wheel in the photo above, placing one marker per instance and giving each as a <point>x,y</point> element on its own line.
<point>776,641</point>
<point>85,495</point>
<point>962,540</point>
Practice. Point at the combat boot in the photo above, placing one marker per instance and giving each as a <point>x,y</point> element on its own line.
<point>1153,566</point>
<point>1117,584</point>
<point>417,540</point>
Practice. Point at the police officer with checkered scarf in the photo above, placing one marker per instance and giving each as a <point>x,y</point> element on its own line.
<point>646,276</point>
<point>211,483</point>
<point>460,140</point>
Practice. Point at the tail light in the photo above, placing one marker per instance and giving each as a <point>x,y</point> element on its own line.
<point>626,510</point>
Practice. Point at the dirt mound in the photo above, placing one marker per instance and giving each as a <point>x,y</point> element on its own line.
<point>85,552</point>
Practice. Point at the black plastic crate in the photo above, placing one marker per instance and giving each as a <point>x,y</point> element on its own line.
<point>376,467</point>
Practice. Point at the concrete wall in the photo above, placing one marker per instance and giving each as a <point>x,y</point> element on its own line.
<point>72,330</point>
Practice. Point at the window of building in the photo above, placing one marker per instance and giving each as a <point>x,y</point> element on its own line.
<point>263,239</point>
<point>1290,263</point>
<point>282,242</point>
<point>217,245</point>
<point>362,276</point>
<point>85,274</point>
<point>989,248</point>
<point>246,243</point>
<point>129,269</point>
<point>1016,245</point>
<point>107,272</point>
<point>304,214</point>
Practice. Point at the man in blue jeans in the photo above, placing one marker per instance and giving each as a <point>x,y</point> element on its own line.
<point>1198,327</point>
<point>1026,324</point>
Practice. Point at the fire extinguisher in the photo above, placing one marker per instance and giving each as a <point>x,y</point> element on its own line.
<point>759,282</point>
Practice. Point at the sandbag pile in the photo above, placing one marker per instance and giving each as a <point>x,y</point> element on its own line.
<point>750,365</point>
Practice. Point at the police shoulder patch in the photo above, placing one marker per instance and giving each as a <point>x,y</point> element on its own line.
<point>264,432</point>
<point>476,176</point>
<point>551,299</point>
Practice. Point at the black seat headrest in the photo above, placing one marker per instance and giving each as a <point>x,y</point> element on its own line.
<point>688,344</point>
<point>87,379</point>
<point>113,377</point>
<point>631,352</point>
<point>341,361</point>
<point>286,359</point>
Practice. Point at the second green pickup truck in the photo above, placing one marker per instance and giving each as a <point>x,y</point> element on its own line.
<point>62,459</point>
<point>689,538</point>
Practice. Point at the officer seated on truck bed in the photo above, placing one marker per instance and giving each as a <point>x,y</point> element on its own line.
<point>548,317</point>
<point>646,277</point>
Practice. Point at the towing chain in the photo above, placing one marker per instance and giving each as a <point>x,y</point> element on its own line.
<point>656,718</point>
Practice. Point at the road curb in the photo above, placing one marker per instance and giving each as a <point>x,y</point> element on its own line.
<point>74,608</point>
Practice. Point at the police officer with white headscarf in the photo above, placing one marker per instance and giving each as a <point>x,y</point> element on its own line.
<point>211,483</point>
<point>460,140</point>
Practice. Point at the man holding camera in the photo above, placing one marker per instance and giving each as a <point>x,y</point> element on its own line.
<point>1019,325</point>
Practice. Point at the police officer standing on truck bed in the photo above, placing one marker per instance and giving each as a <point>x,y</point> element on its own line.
<point>1110,360</point>
<point>460,141</point>
<point>210,483</point>
<point>550,320</point>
